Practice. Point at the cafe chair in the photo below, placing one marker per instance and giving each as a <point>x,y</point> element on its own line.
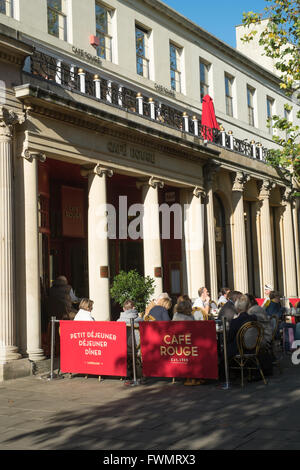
<point>204,314</point>
<point>248,340</point>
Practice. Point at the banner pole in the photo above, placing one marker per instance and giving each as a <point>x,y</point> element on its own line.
<point>53,319</point>
<point>133,351</point>
<point>226,386</point>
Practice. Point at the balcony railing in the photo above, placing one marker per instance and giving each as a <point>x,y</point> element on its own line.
<point>152,108</point>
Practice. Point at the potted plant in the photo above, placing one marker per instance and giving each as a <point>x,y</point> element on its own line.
<point>132,286</point>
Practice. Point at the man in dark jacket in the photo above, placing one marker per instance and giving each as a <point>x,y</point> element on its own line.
<point>228,310</point>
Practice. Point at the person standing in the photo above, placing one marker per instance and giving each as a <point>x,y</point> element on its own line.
<point>268,290</point>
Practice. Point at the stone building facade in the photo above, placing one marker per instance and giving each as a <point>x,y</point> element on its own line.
<point>100,104</point>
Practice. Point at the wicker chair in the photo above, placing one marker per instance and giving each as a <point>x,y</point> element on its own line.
<point>248,340</point>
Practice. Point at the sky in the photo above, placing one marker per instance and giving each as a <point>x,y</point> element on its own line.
<point>218,17</point>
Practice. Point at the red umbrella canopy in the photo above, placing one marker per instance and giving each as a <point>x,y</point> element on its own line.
<point>208,118</point>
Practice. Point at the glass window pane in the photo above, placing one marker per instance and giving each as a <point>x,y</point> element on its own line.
<point>101,19</point>
<point>2,6</point>
<point>173,57</point>
<point>53,23</point>
<point>56,4</point>
<point>140,42</point>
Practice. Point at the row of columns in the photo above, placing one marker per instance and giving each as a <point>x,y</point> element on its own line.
<point>98,246</point>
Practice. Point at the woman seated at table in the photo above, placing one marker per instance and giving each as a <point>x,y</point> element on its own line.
<point>84,313</point>
<point>184,312</point>
<point>159,310</point>
<point>241,306</point>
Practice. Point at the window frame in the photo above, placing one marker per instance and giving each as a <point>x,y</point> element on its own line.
<point>251,106</point>
<point>105,36</point>
<point>145,58</point>
<point>177,70</point>
<point>204,84</point>
<point>9,8</point>
<point>229,96</point>
<point>61,16</point>
<point>271,102</point>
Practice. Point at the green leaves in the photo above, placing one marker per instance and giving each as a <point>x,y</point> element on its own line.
<point>132,286</point>
<point>281,41</point>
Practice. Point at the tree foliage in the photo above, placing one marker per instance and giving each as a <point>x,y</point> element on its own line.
<point>132,286</point>
<point>280,39</point>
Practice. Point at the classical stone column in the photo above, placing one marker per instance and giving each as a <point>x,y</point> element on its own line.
<point>211,233</point>
<point>31,245</point>
<point>98,242</point>
<point>239,234</point>
<point>296,214</point>
<point>151,234</point>
<point>289,245</point>
<point>194,241</point>
<point>8,348</point>
<point>266,234</point>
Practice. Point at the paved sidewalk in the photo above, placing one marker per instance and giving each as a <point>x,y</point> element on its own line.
<point>84,414</point>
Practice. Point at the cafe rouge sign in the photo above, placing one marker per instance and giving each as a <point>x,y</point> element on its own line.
<point>72,200</point>
<point>125,150</point>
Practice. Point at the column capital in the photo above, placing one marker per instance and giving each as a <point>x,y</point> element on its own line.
<point>8,118</point>
<point>30,156</point>
<point>265,188</point>
<point>287,195</point>
<point>97,170</point>
<point>156,183</point>
<point>199,192</point>
<point>239,181</point>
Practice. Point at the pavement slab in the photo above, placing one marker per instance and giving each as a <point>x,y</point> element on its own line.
<point>81,413</point>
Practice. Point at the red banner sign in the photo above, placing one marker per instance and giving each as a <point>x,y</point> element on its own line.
<point>179,349</point>
<point>96,348</point>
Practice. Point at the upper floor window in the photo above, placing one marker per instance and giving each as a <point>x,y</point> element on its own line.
<point>142,60</point>
<point>250,103</point>
<point>270,112</point>
<point>6,7</point>
<point>57,18</point>
<point>204,78</point>
<point>228,94</point>
<point>175,59</point>
<point>103,31</point>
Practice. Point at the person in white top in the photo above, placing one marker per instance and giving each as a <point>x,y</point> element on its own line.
<point>268,290</point>
<point>223,297</point>
<point>84,312</point>
<point>201,303</point>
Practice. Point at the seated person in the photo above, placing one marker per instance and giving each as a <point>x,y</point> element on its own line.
<point>223,299</point>
<point>128,313</point>
<point>262,318</point>
<point>159,311</point>
<point>84,312</point>
<point>228,310</point>
<point>201,306</point>
<point>241,306</point>
<point>183,311</point>
<point>274,307</point>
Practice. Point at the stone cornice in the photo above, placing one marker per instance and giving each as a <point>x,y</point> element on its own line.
<point>12,50</point>
<point>46,103</point>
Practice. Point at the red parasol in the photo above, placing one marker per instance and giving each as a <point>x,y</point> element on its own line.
<point>208,120</point>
